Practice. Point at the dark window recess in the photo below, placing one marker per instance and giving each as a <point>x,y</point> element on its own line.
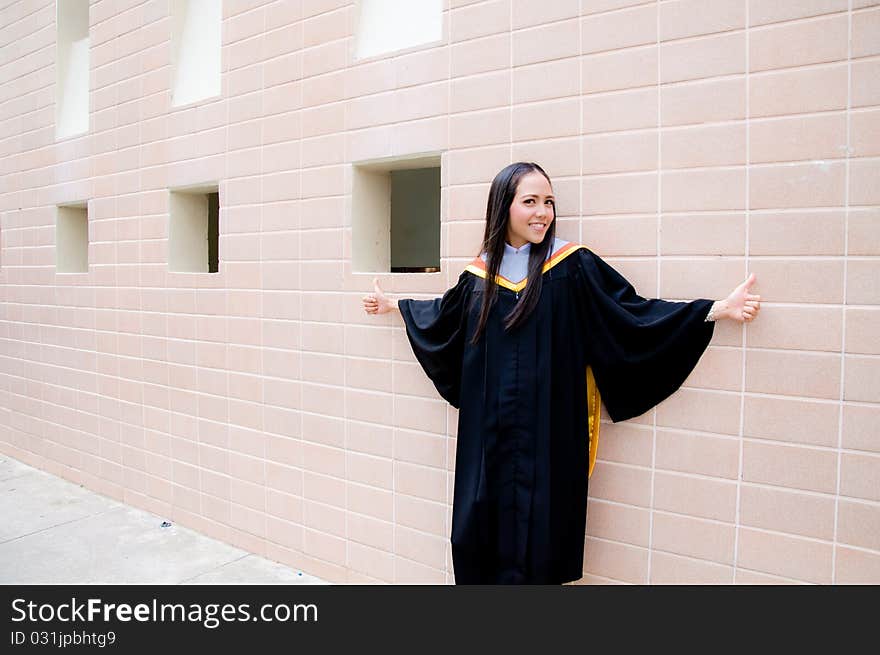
<point>415,220</point>
<point>213,232</point>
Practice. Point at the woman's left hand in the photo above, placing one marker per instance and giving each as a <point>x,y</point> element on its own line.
<point>743,306</point>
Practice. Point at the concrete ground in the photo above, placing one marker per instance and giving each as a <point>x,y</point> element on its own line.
<point>55,532</point>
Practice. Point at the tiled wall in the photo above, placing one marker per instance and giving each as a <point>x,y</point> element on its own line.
<point>689,143</point>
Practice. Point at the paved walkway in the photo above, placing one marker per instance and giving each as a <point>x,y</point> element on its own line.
<point>55,532</point>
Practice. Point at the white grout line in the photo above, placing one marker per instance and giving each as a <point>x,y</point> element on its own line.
<point>659,271</point>
<point>744,348</point>
<point>843,306</point>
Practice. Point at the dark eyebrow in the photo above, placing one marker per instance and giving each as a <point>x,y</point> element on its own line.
<point>529,195</point>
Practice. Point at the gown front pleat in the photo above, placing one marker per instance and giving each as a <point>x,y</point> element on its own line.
<point>514,475</point>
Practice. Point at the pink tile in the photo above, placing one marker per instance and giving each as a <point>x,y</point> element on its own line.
<point>370,531</point>
<point>543,43</point>
<point>792,91</point>
<point>428,550</point>
<point>862,187</point>
<point>477,129</point>
<point>859,476</point>
<point>420,448</point>
<point>481,55</point>
<point>799,233</point>
<point>324,488</point>
<point>687,18</point>
<point>634,67</point>
<point>376,563</point>
<point>325,518</point>
<point>713,145</point>
<point>621,484</point>
<point>791,419</point>
<point>422,515</point>
<point>526,13</point>
<point>711,411</point>
<point>420,414</point>
<point>709,56</point>
<point>710,189</point>
<point>483,19</point>
<point>762,13</point>
<point>682,535</point>
<point>603,235</point>
<point>864,128</point>
<point>548,119</point>
<point>529,82</point>
<point>809,515</point>
<point>284,533</point>
<point>695,453</point>
<point>252,496</point>
<point>420,481</point>
<point>369,438</point>
<point>695,496</point>
<point>865,32</point>
<point>862,287</point>
<point>802,328</point>
<point>747,577</point>
<point>797,138</point>
<point>410,378</point>
<point>616,561</point>
<point>626,109</point>
<point>421,66</point>
<point>630,525</point>
<point>792,557</point>
<point>813,41</point>
<point>859,427</point>
<point>620,193</point>
<point>370,501</point>
<point>409,572</point>
<point>324,546</point>
<point>284,506</point>
<point>369,470</point>
<point>625,443</point>
<point>673,569</point>
<point>620,152</point>
<point>797,467</point>
<point>283,478</point>
<point>374,407</point>
<point>856,566</point>
<point>866,89</point>
<point>619,29</point>
<point>861,381</point>
<point>815,375</point>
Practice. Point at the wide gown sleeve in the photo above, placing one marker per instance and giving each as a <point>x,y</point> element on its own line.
<point>641,350</point>
<point>436,331</point>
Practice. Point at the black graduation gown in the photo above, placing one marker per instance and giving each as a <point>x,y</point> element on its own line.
<point>520,502</point>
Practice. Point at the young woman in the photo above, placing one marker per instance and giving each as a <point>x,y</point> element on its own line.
<point>525,359</point>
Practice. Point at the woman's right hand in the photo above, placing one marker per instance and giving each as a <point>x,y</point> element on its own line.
<point>377,302</point>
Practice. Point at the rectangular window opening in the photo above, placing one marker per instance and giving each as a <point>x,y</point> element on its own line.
<point>195,50</point>
<point>194,230</point>
<point>396,220</point>
<point>72,68</point>
<point>389,25</point>
<point>72,238</point>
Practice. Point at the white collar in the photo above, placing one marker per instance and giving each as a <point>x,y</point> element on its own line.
<point>524,249</point>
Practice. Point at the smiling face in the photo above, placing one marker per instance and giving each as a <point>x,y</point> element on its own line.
<point>532,210</point>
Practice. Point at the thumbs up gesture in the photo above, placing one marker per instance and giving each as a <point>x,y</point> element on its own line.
<point>377,302</point>
<point>743,306</point>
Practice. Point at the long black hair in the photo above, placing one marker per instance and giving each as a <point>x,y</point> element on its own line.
<point>501,195</point>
